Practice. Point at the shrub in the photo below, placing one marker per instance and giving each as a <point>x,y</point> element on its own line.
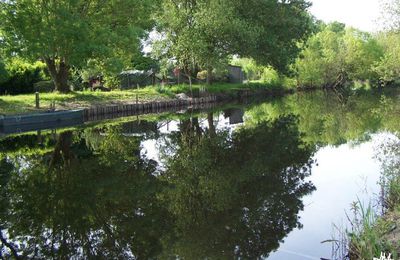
<point>252,70</point>
<point>22,76</point>
<point>221,75</point>
<point>271,77</point>
<point>44,86</point>
<point>388,67</point>
<point>202,75</point>
<point>218,75</point>
<point>335,56</point>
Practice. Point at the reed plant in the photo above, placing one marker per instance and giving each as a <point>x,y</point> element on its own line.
<point>366,233</point>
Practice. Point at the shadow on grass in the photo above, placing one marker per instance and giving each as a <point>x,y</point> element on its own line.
<point>15,107</point>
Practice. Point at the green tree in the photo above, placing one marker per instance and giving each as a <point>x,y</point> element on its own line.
<point>361,52</point>
<point>67,33</point>
<point>252,70</point>
<point>321,61</point>
<point>21,75</point>
<point>143,62</point>
<point>277,26</point>
<point>388,68</point>
<point>336,55</point>
<point>198,33</point>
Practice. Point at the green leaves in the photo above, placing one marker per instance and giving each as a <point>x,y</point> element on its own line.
<point>280,26</point>
<point>3,72</point>
<point>336,54</point>
<point>203,33</point>
<point>388,67</point>
<point>73,31</point>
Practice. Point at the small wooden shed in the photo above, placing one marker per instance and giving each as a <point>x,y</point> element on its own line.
<point>236,74</point>
<point>133,78</point>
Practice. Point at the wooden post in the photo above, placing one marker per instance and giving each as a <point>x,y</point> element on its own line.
<point>53,105</point>
<point>37,100</point>
<point>137,97</point>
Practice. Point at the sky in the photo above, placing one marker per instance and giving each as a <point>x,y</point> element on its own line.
<point>361,14</point>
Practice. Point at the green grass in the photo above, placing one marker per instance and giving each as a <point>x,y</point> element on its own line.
<point>21,104</point>
<point>367,234</point>
<point>371,234</point>
<point>224,88</point>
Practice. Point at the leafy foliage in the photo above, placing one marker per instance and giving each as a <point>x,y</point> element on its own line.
<point>21,76</point>
<point>337,55</point>
<point>3,72</point>
<point>252,70</point>
<point>68,33</point>
<point>388,68</point>
<point>198,35</point>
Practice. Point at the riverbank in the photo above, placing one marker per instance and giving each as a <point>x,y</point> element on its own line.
<point>373,234</point>
<point>378,235</point>
<point>25,104</point>
<point>97,106</point>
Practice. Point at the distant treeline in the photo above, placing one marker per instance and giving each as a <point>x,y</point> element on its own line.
<point>338,56</point>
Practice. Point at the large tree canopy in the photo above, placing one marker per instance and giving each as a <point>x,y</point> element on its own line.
<point>279,25</point>
<point>66,33</point>
<point>203,33</point>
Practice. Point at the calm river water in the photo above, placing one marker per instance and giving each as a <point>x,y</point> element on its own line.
<point>264,180</point>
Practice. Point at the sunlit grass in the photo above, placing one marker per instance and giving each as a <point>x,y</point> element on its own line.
<point>365,235</point>
<point>20,104</point>
<point>26,103</point>
<point>371,235</point>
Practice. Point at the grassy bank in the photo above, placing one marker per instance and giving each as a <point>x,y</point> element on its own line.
<point>21,104</point>
<point>375,235</point>
<point>371,233</point>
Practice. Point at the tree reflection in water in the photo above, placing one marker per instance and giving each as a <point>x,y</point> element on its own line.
<point>91,194</point>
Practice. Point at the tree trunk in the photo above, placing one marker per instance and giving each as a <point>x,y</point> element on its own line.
<point>209,76</point>
<point>188,74</point>
<point>62,154</point>
<point>59,74</point>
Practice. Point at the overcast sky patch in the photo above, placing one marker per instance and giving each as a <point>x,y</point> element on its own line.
<point>361,14</point>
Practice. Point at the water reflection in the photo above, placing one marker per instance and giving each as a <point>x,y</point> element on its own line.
<point>208,189</point>
<point>239,195</point>
<point>91,193</point>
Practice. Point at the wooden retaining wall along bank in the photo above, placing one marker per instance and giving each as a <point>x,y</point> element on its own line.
<point>115,111</point>
<point>48,120</point>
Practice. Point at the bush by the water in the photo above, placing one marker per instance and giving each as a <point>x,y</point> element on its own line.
<point>45,86</point>
<point>336,55</point>
<point>21,76</point>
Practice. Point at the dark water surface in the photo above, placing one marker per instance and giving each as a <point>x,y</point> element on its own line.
<point>263,180</point>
